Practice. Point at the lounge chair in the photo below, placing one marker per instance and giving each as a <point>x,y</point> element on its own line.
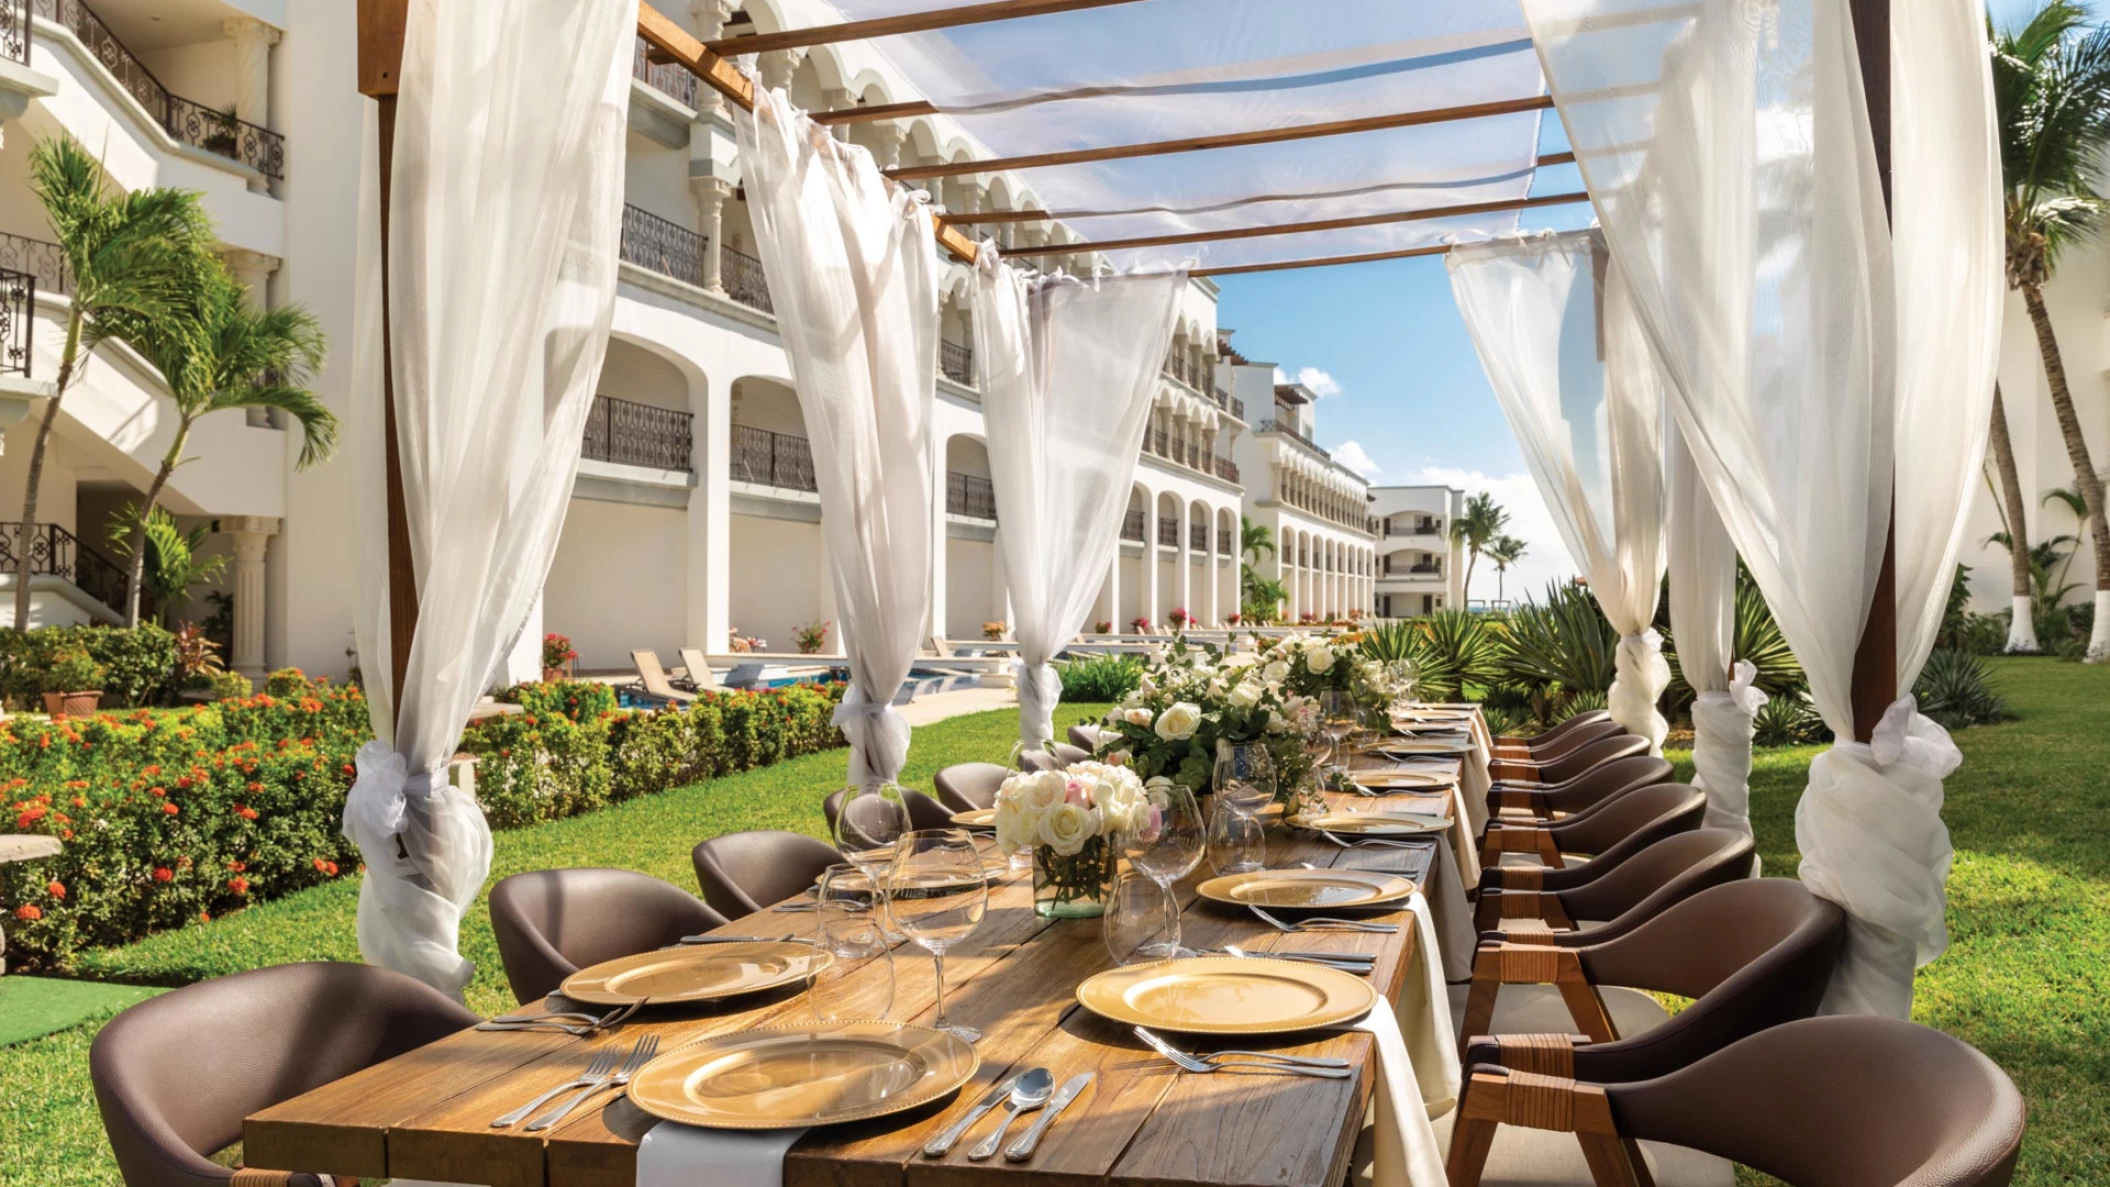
<point>744,677</point>
<point>696,670</point>
<point>652,679</point>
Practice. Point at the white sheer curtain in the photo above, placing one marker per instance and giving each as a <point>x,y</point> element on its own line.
<point>852,270</point>
<point>1805,354</point>
<point>1069,367</point>
<point>1576,380</point>
<point>505,201</point>
<point>1703,620</point>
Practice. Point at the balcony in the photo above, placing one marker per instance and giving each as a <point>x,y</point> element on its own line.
<point>185,120</point>
<point>667,78</point>
<point>39,259</point>
<point>956,362</point>
<point>970,495</point>
<point>1225,541</point>
<point>667,248</point>
<point>633,434</point>
<point>18,314</point>
<point>1420,527</point>
<point>1283,427</point>
<point>1225,468</point>
<point>14,30</point>
<point>1168,532</point>
<point>1198,537</point>
<point>1132,525</point>
<point>1418,569</point>
<point>744,281</point>
<point>55,552</point>
<point>772,459</point>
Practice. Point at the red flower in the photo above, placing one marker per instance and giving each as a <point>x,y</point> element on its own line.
<point>255,787</point>
<point>246,812</point>
<point>238,885</point>
<point>29,913</point>
<point>160,791</point>
<point>30,816</point>
<point>205,917</point>
<point>164,874</point>
<point>170,809</point>
<point>236,867</point>
<point>349,769</point>
<point>80,801</point>
<point>57,889</point>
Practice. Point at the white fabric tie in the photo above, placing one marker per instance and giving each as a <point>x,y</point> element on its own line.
<point>426,856</point>
<point>878,737</point>
<point>1640,676</point>
<point>673,1155</point>
<point>1039,691</point>
<point>1721,748</point>
<point>1872,840</point>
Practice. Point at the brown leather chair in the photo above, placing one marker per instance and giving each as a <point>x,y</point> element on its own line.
<point>1752,954</point>
<point>1524,747</point>
<point>1566,744</point>
<point>552,923</point>
<point>971,786</point>
<point>1087,737</point>
<point>1647,813</point>
<point>1592,787</point>
<point>1601,749</point>
<point>1622,896</point>
<point>175,1075</point>
<point>1846,1101</point>
<point>742,873</point>
<point>1041,760</point>
<point>923,811</point>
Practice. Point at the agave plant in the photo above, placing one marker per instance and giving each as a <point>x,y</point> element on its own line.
<point>1560,648</point>
<point>1757,638</point>
<point>1459,649</point>
<point>1956,689</point>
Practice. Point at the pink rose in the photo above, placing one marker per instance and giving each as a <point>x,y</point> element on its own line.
<point>1076,794</point>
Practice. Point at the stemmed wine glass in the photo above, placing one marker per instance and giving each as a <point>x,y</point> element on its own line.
<point>849,925</point>
<point>1245,783</point>
<point>869,826</point>
<point>1165,845</point>
<point>1338,712</point>
<point>939,893</point>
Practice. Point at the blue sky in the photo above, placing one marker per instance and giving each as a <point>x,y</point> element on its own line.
<point>1403,393</point>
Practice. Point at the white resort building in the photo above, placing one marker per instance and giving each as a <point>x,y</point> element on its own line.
<point>1415,575</point>
<point>1316,509</point>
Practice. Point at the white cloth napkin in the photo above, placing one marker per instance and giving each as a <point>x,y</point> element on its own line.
<point>673,1155</point>
<point>1417,1070</point>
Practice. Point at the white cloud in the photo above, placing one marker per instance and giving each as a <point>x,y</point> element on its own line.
<point>1351,455</point>
<point>1320,383</point>
<point>1547,558</point>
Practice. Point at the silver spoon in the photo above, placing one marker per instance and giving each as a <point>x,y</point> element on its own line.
<point>1031,1092</point>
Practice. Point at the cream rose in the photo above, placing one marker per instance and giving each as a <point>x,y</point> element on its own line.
<point>1180,721</point>
<point>1015,828</point>
<point>1245,696</point>
<point>1318,659</point>
<point>1067,827</point>
<point>1042,791</point>
<point>1137,716</point>
<point>1275,672</point>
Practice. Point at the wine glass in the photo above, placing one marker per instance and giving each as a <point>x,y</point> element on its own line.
<point>1164,846</point>
<point>938,894</point>
<point>1142,921</point>
<point>1236,843</point>
<point>848,924</point>
<point>1245,783</point>
<point>1337,710</point>
<point>872,820</point>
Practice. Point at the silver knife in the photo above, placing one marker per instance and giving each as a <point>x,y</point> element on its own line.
<point>937,1146</point>
<point>1022,1149</point>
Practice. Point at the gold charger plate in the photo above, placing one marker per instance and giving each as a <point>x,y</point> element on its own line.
<point>786,1077</point>
<point>976,818</point>
<point>1377,824</point>
<point>1306,888</point>
<point>1227,995</point>
<point>1425,746</point>
<point>700,973</point>
<point>1402,778</point>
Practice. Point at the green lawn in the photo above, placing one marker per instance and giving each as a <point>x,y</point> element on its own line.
<point>2025,978</point>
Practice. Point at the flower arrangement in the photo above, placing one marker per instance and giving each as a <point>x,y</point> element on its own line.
<point>1068,818</point>
<point>1234,618</point>
<point>993,631</point>
<point>1200,694</point>
<point>557,656</point>
<point>1140,624</point>
<point>1178,618</point>
<point>811,637</point>
<point>1104,626</point>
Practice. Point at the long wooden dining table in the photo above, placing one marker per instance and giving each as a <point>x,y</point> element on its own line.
<point>427,1114</point>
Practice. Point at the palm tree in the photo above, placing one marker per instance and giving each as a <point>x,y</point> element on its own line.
<point>2051,85</point>
<point>222,353</point>
<point>2022,629</point>
<point>1483,520</point>
<point>127,255</point>
<point>1254,541</point>
<point>173,563</point>
<point>1505,551</point>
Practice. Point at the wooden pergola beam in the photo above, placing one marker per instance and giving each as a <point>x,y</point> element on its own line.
<point>893,26</point>
<point>1875,671</point>
<point>1160,148</point>
<point>1329,224</point>
<point>1440,249</point>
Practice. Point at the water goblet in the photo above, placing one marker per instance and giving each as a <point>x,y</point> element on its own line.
<point>938,894</point>
<point>1237,844</point>
<point>1165,845</point>
<point>849,925</point>
<point>1142,921</point>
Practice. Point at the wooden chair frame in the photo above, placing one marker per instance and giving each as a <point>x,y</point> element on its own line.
<point>1495,905</point>
<point>1514,836</point>
<point>1496,1096</point>
<point>1508,962</point>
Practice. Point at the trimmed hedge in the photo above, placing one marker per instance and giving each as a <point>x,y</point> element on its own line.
<point>139,663</point>
<point>172,816</point>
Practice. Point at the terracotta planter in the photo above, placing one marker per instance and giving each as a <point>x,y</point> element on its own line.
<point>552,675</point>
<point>62,705</point>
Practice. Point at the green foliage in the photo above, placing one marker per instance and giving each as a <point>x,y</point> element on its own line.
<point>1956,689</point>
<point>173,566</point>
<point>1099,678</point>
<point>1983,634</point>
<point>288,682</point>
<point>1756,638</point>
<point>1461,650</point>
<point>2051,93</point>
<point>230,686</point>
<point>576,699</point>
<point>71,669</point>
<point>1560,648</point>
<point>1788,720</point>
<point>139,665</point>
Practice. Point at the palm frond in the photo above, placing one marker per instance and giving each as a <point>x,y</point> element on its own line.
<point>318,425</point>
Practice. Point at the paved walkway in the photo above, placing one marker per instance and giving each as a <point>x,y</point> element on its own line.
<point>938,706</point>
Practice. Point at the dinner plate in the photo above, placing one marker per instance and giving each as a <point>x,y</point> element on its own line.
<point>1377,824</point>
<point>1376,779</point>
<point>994,865</point>
<point>976,818</point>
<point>700,973</point>
<point>1227,995</point>
<point>1306,888</point>
<point>1427,746</point>
<point>789,1077</point>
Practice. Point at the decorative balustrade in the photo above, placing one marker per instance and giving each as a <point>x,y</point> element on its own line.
<point>1168,531</point>
<point>970,495</point>
<point>19,253</point>
<point>185,120</point>
<point>667,248</point>
<point>1198,537</point>
<point>669,79</point>
<point>634,434</point>
<point>14,30</point>
<point>1225,469</point>
<point>1132,525</point>
<point>52,551</point>
<point>772,459</point>
<point>956,362</point>
<point>1418,569</point>
<point>18,316</point>
<point>744,281</point>
<point>1422,527</point>
<point>1224,541</point>
<point>1288,430</point>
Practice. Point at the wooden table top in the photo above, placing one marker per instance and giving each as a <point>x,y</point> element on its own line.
<point>426,1114</point>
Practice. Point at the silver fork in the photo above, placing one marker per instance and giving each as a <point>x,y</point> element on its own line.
<point>603,1063</point>
<point>640,1055</point>
<point>1321,923</point>
<point>1368,842</point>
<point>1189,1063</point>
<point>589,1024</point>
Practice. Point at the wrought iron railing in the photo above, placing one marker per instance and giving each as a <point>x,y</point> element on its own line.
<point>18,313</point>
<point>1132,525</point>
<point>1286,429</point>
<point>636,434</point>
<point>744,281</point>
<point>185,120</point>
<point>1419,568</point>
<point>1198,537</point>
<point>1158,442</point>
<point>1237,407</point>
<point>1223,541</point>
<point>1425,527</point>
<point>956,362</point>
<point>772,459</point>
<point>1225,468</point>
<point>667,78</point>
<point>19,253</point>
<point>667,248</point>
<point>14,30</point>
<point>969,494</point>
<point>1168,531</point>
<point>52,551</point>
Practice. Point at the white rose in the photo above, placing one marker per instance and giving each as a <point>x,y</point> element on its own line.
<point>1043,791</point>
<point>1318,659</point>
<point>1245,696</point>
<point>1275,672</point>
<point>1119,758</point>
<point>1067,827</point>
<point>1138,716</point>
<point>1015,827</point>
<point>1179,722</point>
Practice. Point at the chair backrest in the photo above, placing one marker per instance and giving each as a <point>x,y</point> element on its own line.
<point>1586,717</point>
<point>1845,1101</point>
<point>1591,754</point>
<point>742,873</point>
<point>1041,760</point>
<point>1605,781</point>
<point>1568,743</point>
<point>1086,737</point>
<point>923,811</point>
<point>697,666</point>
<point>969,786</point>
<point>1667,872</point>
<point>552,923</point>
<point>653,675</point>
<point>1651,813</point>
<point>175,1075</point>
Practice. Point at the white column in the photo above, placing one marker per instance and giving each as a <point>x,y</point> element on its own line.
<point>710,523</point>
<point>251,536</point>
<point>710,17</point>
<point>1149,601</point>
<point>711,194</point>
<point>1110,593</point>
<point>1212,581</point>
<point>941,543</point>
<point>252,270</point>
<point>253,40</point>
<point>888,136</point>
<point>776,68</point>
<point>999,608</point>
<point>1184,587</point>
<point>838,99</point>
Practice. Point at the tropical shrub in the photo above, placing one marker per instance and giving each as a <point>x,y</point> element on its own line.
<point>1560,649</point>
<point>1461,651</point>
<point>576,699</point>
<point>71,670</point>
<point>1756,638</point>
<point>1100,679</point>
<point>1788,721</point>
<point>1956,689</point>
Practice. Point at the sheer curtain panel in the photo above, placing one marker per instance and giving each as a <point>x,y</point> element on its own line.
<point>1703,620</point>
<point>505,200</point>
<point>1580,389</point>
<point>1069,368</point>
<point>1810,344</point>
<point>852,270</point>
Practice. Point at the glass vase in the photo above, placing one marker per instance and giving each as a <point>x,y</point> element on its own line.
<point>1074,887</point>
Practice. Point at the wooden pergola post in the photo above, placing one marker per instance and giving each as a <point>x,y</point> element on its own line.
<point>1875,682</point>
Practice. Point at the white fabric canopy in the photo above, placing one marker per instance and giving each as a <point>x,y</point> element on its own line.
<point>1805,355</point>
<point>852,266</point>
<point>1581,391</point>
<point>1069,368</point>
<point>1703,620</point>
<point>505,201</point>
